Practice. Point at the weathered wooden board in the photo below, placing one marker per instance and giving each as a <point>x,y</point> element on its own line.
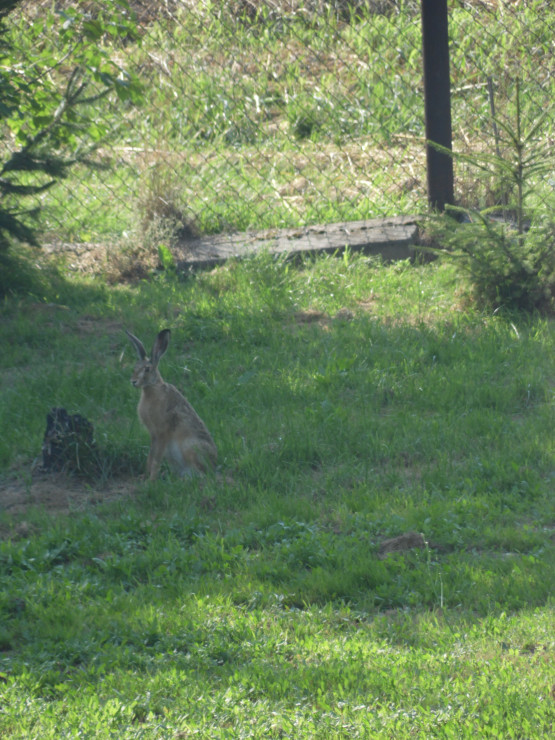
<point>393,238</point>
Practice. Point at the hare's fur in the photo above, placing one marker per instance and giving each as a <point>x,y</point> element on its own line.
<point>177,433</point>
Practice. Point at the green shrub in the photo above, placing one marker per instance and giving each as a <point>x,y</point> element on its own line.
<point>49,93</point>
<point>507,250</point>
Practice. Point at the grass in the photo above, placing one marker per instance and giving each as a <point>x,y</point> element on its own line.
<point>297,119</point>
<point>351,402</point>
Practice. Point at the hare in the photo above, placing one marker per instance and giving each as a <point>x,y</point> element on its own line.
<point>177,432</point>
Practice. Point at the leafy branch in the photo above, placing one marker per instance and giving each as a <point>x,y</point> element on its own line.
<point>54,70</point>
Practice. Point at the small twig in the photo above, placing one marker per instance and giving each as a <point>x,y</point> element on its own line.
<point>493,119</point>
<point>520,167</point>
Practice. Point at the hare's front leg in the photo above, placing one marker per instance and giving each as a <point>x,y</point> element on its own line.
<point>155,455</point>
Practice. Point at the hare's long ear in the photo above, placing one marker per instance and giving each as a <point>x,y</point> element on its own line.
<point>161,344</point>
<point>141,351</point>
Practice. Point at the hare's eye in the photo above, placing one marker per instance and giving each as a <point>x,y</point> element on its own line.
<point>147,368</point>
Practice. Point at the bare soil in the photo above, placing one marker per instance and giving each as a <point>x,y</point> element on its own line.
<point>54,493</point>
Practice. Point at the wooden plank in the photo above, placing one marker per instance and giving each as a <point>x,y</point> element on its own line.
<point>393,238</point>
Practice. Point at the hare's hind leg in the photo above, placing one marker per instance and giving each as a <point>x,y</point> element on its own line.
<point>190,457</point>
<point>181,460</point>
<point>200,456</point>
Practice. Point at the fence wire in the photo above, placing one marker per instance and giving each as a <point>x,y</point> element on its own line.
<point>262,114</point>
<point>502,77</point>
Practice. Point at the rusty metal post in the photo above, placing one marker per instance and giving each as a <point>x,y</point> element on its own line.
<point>437,101</point>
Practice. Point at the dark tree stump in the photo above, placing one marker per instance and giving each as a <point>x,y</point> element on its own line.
<point>68,443</point>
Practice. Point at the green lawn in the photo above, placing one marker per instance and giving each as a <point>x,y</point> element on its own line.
<point>351,403</point>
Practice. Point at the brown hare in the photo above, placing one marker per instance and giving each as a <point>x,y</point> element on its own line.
<point>177,432</point>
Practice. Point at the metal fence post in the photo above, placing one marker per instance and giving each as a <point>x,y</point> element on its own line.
<point>437,101</point>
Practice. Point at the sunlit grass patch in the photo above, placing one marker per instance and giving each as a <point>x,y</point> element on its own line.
<point>351,403</point>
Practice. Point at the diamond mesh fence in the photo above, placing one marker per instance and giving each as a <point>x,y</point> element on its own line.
<point>502,77</point>
<point>262,114</point>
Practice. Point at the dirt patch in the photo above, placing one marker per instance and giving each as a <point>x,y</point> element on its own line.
<point>321,318</point>
<point>115,263</point>
<point>402,543</point>
<point>56,493</point>
<point>90,258</point>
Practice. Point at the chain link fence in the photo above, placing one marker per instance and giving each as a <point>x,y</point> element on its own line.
<point>502,87</point>
<point>262,114</point>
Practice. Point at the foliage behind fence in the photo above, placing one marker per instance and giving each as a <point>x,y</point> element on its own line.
<point>271,113</point>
